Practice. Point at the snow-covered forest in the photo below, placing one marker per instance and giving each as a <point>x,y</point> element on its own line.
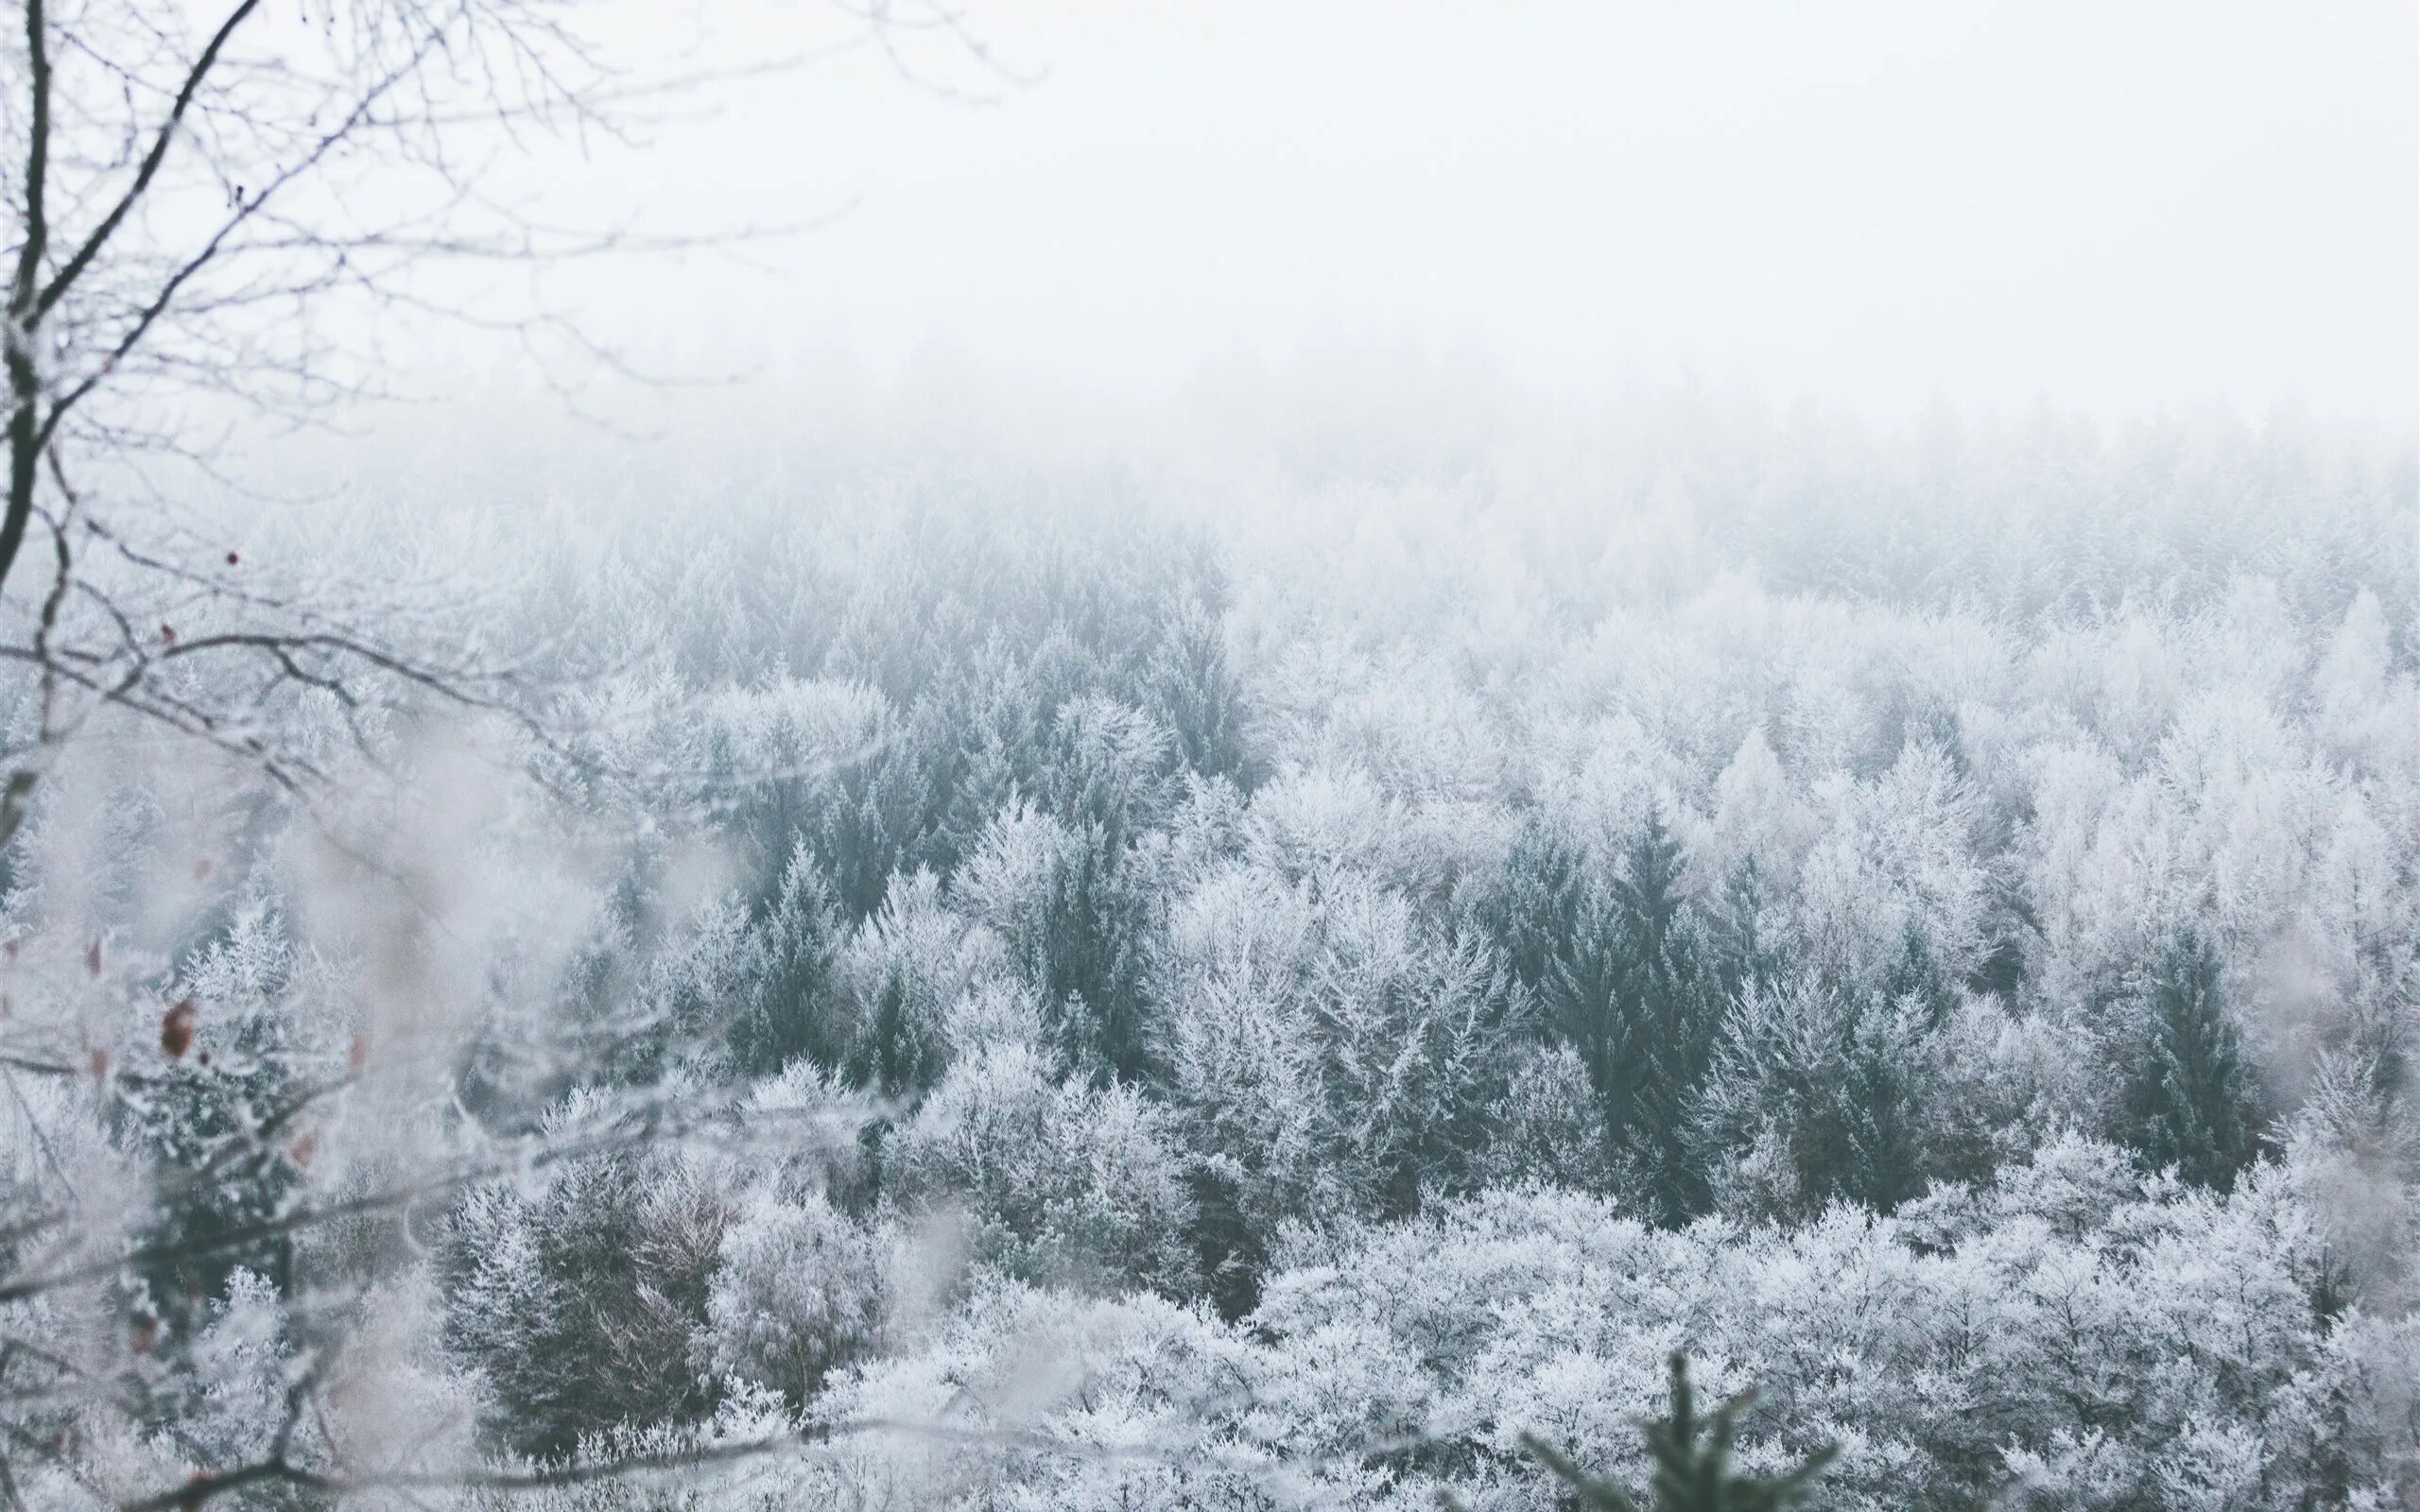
<point>1275,756</point>
<point>1011,983</point>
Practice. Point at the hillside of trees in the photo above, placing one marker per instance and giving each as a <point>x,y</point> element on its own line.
<point>995,983</point>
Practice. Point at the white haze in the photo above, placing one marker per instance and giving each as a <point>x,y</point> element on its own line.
<point>2123,207</point>
<point>1348,715</point>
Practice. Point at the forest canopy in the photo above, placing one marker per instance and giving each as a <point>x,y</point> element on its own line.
<point>1031,976</point>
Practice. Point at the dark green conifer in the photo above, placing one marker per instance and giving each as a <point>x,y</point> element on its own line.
<point>1629,993</point>
<point>2192,1101</point>
<point>1692,1459</point>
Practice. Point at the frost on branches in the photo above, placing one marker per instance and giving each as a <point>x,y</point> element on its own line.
<point>1267,986</point>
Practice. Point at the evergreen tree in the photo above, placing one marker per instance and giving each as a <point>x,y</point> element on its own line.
<point>1811,1099</point>
<point>1882,1154</point>
<point>902,970</point>
<point>1528,907</point>
<point>1411,1036</point>
<point>2010,930</point>
<point>2191,1101</point>
<point>1075,911</point>
<point>895,1053</point>
<point>1191,688</point>
<point>789,1007</point>
<point>1627,992</point>
<point>1728,939</point>
<point>1692,1459</point>
<point>885,814</point>
<point>578,1301</point>
<point>1230,1250</point>
<point>1112,780</point>
<point>1096,919</point>
<point>213,1086</point>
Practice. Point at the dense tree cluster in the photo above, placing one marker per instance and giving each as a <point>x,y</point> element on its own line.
<point>1024,994</point>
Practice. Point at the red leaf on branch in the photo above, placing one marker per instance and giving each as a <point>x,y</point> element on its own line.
<point>175,1029</point>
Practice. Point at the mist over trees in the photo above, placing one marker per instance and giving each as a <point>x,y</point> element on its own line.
<point>994,980</point>
<point>1366,936</point>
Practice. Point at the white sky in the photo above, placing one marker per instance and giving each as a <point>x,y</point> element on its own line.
<point>2117,205</point>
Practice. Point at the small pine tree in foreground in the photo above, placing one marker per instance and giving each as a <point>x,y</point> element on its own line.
<point>1692,1458</point>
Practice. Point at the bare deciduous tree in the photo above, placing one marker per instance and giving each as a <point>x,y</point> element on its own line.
<point>189,204</point>
<point>211,212</point>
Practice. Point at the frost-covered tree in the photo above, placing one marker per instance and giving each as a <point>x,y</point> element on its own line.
<point>790,1005</point>
<point>578,1302</point>
<point>998,1004</point>
<point>1814,1098</point>
<point>902,970</point>
<point>796,1293</point>
<point>1057,1182</point>
<point>1194,692</point>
